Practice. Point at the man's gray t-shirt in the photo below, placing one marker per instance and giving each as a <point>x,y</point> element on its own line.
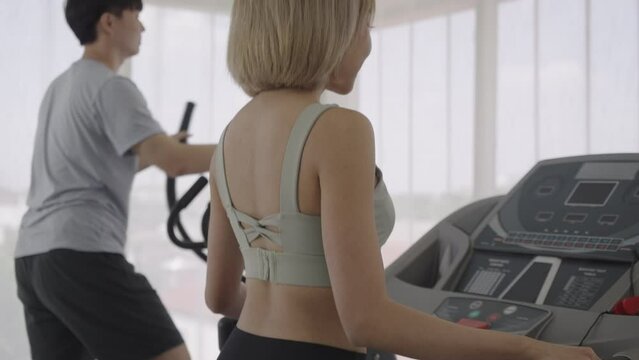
<point>83,167</point>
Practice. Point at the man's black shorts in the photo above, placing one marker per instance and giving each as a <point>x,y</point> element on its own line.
<point>83,305</point>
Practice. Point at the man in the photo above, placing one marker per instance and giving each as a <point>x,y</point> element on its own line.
<point>82,299</point>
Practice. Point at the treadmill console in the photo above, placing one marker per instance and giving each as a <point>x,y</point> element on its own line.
<point>572,209</point>
<point>495,315</point>
<point>563,236</point>
<point>548,260</point>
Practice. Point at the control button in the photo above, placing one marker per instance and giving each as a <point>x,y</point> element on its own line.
<point>510,310</point>
<point>473,314</point>
<point>476,304</point>
<point>548,186</point>
<point>608,219</point>
<point>474,323</point>
<point>545,190</point>
<point>574,218</point>
<point>544,216</point>
<point>493,317</point>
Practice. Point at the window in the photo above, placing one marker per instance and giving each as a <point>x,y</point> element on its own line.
<point>568,81</point>
<point>417,88</point>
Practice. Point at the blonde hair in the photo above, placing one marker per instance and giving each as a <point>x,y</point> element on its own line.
<point>292,44</point>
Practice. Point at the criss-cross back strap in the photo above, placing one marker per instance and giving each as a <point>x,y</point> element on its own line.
<point>256,228</point>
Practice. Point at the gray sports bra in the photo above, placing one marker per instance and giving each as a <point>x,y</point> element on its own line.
<point>302,260</point>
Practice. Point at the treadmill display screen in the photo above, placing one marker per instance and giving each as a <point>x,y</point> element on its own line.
<point>588,193</point>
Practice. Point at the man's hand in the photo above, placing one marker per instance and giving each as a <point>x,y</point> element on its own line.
<point>181,136</point>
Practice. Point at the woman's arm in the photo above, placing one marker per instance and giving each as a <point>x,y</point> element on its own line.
<point>224,293</point>
<point>344,139</point>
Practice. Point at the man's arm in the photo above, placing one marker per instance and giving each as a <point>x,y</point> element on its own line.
<point>172,156</point>
<point>144,163</point>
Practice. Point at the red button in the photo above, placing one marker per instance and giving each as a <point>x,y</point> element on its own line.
<point>474,323</point>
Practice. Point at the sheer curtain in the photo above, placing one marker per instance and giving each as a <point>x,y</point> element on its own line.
<point>417,88</point>
<point>567,83</point>
<point>37,45</point>
<point>183,58</point>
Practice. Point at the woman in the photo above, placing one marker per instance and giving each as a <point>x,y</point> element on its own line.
<point>295,184</point>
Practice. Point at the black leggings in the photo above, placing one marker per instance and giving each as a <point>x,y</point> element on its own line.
<point>244,346</point>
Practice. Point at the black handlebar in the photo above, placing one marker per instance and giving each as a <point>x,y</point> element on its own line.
<point>186,118</point>
<point>184,201</point>
<point>177,205</point>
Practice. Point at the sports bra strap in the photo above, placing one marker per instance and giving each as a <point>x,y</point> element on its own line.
<point>225,195</point>
<point>293,156</point>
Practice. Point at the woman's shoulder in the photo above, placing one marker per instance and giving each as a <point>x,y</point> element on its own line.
<point>341,134</point>
<point>339,122</point>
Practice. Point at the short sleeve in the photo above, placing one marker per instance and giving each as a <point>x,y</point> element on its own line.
<point>125,115</point>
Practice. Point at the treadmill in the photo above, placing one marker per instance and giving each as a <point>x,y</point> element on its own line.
<point>550,260</point>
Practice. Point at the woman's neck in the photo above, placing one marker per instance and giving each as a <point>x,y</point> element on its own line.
<point>299,95</point>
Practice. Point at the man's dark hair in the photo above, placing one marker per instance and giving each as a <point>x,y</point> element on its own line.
<point>83,15</point>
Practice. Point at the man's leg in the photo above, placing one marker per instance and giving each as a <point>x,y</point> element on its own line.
<point>179,352</point>
<point>49,338</point>
<point>112,310</point>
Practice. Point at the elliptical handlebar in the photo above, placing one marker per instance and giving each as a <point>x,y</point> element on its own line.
<point>177,205</point>
<point>184,201</point>
<point>186,118</point>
